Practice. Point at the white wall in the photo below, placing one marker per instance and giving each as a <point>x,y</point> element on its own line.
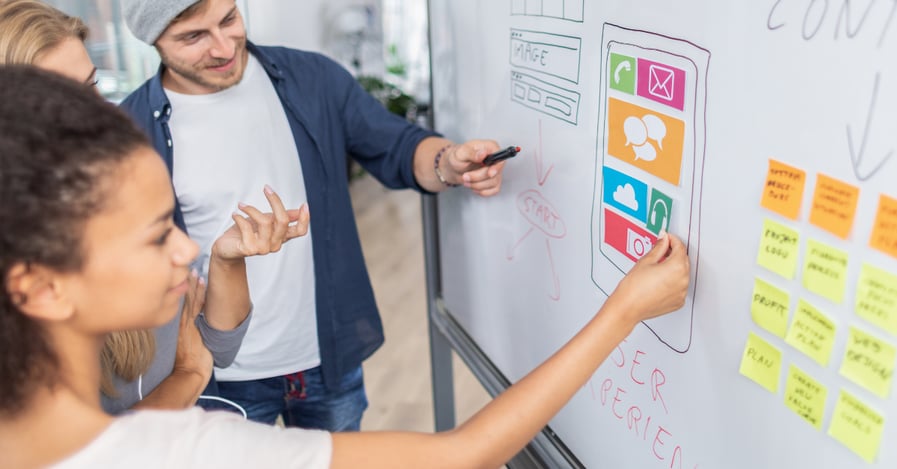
<point>288,23</point>
<point>319,25</point>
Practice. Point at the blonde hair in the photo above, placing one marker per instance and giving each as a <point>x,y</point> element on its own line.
<point>126,354</point>
<point>29,28</point>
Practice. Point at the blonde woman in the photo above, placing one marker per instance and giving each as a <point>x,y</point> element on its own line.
<point>34,33</point>
<point>169,366</point>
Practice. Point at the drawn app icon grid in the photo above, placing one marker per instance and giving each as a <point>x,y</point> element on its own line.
<point>649,160</point>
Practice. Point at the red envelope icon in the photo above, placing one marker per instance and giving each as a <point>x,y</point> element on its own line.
<point>661,83</point>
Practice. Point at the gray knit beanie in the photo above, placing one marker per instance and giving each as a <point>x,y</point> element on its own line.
<point>148,19</point>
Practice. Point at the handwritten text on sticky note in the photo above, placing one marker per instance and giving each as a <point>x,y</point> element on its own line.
<point>876,298</point>
<point>778,249</point>
<point>834,205</point>
<point>761,362</point>
<point>805,396</point>
<point>869,362</point>
<point>769,307</point>
<point>857,426</point>
<point>784,189</point>
<point>811,332</point>
<point>825,271</point>
<point>884,233</point>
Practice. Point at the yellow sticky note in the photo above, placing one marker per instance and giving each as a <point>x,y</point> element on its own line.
<point>857,426</point>
<point>884,232</point>
<point>784,189</point>
<point>769,307</point>
<point>812,333</point>
<point>778,249</point>
<point>805,396</point>
<point>825,270</point>
<point>761,362</point>
<point>834,205</point>
<point>869,362</point>
<point>877,298</point>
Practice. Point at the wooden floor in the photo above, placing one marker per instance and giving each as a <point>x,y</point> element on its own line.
<point>397,377</point>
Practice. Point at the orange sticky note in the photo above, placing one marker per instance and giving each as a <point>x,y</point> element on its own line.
<point>784,189</point>
<point>834,205</point>
<point>884,233</point>
<point>646,139</point>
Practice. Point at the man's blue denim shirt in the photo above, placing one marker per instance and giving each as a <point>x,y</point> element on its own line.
<point>331,116</point>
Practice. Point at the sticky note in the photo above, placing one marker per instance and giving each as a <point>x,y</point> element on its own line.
<point>884,232</point>
<point>784,189</point>
<point>834,205</point>
<point>857,426</point>
<point>805,396</point>
<point>761,362</point>
<point>811,332</point>
<point>778,249</point>
<point>876,298</point>
<point>825,271</point>
<point>869,362</point>
<point>769,307</point>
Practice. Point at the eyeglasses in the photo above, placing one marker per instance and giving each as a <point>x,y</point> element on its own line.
<point>92,81</point>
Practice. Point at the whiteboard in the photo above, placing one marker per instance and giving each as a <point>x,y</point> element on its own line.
<point>762,134</point>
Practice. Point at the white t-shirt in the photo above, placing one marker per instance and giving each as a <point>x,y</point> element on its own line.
<point>227,146</point>
<point>194,438</point>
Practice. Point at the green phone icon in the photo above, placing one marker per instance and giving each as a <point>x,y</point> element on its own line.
<point>622,73</point>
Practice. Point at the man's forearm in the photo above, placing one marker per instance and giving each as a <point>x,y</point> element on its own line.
<point>424,172</point>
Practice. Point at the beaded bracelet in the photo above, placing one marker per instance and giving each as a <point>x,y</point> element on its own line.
<point>436,166</point>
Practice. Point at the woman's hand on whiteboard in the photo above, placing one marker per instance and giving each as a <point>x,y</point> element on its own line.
<point>658,283</point>
<point>466,159</point>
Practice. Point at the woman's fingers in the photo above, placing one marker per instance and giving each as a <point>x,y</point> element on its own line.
<point>263,233</point>
<point>247,243</point>
<point>298,225</point>
<point>195,297</point>
<point>281,220</point>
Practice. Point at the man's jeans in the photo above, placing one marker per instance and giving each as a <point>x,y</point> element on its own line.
<point>302,400</point>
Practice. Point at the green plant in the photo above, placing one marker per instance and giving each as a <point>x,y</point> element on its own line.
<point>394,99</point>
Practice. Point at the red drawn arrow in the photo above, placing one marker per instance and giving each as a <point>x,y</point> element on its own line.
<point>539,177</point>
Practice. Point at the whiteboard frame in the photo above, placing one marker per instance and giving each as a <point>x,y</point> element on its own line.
<point>546,450</point>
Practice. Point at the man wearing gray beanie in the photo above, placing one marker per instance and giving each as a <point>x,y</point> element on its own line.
<point>228,116</point>
<point>148,19</point>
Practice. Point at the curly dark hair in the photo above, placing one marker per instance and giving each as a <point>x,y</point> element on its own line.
<point>60,147</point>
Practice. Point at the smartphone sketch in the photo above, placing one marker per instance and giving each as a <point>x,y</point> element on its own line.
<point>650,159</point>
